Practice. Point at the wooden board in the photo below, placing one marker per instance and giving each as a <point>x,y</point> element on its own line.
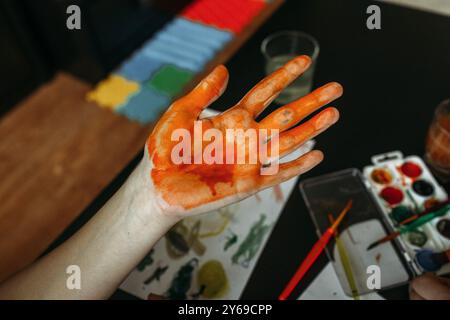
<point>57,152</point>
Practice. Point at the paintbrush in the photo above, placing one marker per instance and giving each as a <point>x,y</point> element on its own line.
<point>412,226</point>
<point>345,262</point>
<point>418,215</point>
<point>313,254</point>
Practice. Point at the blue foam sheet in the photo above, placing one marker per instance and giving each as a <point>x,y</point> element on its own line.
<point>146,106</point>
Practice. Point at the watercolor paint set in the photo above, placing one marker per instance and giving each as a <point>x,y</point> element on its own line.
<point>398,227</point>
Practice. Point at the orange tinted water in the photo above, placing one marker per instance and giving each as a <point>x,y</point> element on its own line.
<point>438,143</point>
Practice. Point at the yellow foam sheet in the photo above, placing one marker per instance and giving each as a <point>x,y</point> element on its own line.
<point>113,91</point>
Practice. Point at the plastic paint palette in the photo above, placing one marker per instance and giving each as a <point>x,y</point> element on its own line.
<point>403,186</point>
<point>383,194</point>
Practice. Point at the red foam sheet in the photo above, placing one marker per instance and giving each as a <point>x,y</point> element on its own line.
<point>230,15</point>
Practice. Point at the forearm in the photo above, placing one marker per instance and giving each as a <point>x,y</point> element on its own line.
<point>106,249</point>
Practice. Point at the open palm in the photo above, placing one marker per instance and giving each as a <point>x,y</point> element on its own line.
<point>197,187</point>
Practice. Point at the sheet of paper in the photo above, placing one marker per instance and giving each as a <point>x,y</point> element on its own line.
<point>326,286</point>
<point>213,255</point>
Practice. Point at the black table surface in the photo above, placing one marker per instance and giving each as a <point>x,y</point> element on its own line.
<point>393,79</point>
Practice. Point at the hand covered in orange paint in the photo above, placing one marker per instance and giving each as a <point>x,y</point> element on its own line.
<point>189,188</point>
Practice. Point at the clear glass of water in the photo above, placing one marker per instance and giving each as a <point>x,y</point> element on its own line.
<point>279,48</point>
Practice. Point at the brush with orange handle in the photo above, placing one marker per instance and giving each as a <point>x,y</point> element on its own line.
<point>314,254</point>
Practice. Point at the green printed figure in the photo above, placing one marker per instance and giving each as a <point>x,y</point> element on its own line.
<point>251,244</point>
<point>231,240</point>
<point>148,260</point>
<point>181,283</point>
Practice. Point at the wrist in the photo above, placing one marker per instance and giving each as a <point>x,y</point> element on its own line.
<point>141,200</point>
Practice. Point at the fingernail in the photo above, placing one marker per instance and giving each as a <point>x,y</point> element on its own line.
<point>330,92</point>
<point>297,65</point>
<point>327,118</point>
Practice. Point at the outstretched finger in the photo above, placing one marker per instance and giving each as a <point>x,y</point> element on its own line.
<point>293,168</point>
<point>205,93</point>
<point>289,115</point>
<point>292,139</point>
<point>258,98</point>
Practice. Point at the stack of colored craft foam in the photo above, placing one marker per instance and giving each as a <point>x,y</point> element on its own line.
<point>145,84</point>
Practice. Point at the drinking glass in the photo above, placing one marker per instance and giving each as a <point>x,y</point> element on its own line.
<point>278,48</point>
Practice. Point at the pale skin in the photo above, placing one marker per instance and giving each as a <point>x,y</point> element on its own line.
<point>159,193</point>
<point>430,287</point>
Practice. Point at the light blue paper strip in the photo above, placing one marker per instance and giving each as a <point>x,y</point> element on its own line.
<point>185,45</point>
<point>208,33</point>
<point>172,57</point>
<point>160,46</point>
<point>139,68</point>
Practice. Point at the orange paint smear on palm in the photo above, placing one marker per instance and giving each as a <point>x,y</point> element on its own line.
<point>192,185</point>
